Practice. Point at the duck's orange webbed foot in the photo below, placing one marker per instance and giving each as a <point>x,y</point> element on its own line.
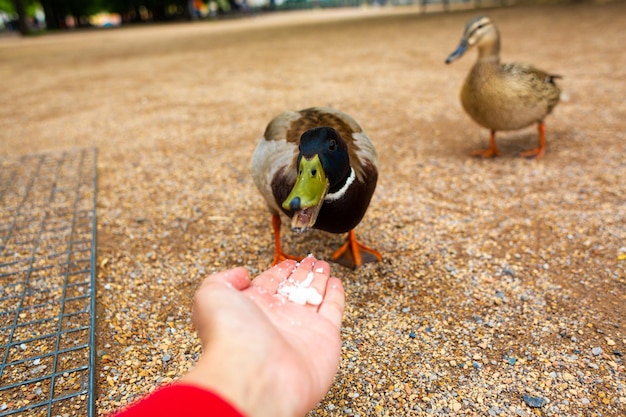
<point>279,255</point>
<point>533,153</point>
<point>485,153</point>
<point>353,253</point>
<point>490,152</point>
<point>541,149</point>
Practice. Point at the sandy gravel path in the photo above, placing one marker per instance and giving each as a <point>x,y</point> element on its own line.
<point>502,279</point>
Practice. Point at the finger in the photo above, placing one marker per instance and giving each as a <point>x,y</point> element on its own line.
<point>334,302</point>
<point>307,265</point>
<point>268,281</point>
<point>216,291</point>
<point>239,278</point>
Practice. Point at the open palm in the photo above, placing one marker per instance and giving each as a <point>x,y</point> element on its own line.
<point>267,355</point>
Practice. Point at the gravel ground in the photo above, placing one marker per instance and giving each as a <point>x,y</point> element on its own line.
<point>502,290</point>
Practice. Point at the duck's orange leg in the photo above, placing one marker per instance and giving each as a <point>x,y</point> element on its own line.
<point>353,253</point>
<point>279,255</point>
<point>541,149</point>
<point>491,151</point>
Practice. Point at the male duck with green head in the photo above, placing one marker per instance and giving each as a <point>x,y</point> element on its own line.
<point>319,168</point>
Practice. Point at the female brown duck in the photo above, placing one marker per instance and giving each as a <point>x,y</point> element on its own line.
<point>318,167</point>
<point>503,96</point>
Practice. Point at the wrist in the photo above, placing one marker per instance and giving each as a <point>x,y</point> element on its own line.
<point>230,379</point>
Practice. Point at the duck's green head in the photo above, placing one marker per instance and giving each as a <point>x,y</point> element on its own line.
<point>478,31</point>
<point>323,164</point>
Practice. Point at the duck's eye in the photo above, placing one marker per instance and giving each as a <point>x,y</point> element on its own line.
<point>313,172</point>
<point>332,145</point>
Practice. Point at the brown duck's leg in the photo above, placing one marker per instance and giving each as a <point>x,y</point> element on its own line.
<point>353,253</point>
<point>492,151</point>
<point>279,255</point>
<point>539,151</point>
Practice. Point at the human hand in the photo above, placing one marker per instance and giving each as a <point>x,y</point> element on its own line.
<point>265,355</point>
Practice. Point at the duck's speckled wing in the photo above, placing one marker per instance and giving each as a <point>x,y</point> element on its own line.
<point>538,85</point>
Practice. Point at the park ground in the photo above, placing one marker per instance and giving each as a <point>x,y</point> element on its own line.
<point>503,280</point>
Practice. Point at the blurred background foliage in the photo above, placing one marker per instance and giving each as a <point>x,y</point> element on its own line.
<point>39,16</point>
<point>30,16</point>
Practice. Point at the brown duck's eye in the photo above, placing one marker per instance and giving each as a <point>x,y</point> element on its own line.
<point>332,145</point>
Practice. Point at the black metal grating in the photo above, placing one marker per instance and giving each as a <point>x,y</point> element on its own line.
<point>47,284</point>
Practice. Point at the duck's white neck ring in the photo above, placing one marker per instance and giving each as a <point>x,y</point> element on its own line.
<point>340,192</point>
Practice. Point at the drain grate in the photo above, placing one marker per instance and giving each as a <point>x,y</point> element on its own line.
<point>47,284</point>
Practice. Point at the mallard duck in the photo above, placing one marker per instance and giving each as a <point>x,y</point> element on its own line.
<point>503,96</point>
<point>318,167</point>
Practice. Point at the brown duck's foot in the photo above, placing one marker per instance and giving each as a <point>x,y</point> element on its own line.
<point>533,153</point>
<point>353,253</point>
<point>493,149</point>
<point>541,148</point>
<point>486,153</point>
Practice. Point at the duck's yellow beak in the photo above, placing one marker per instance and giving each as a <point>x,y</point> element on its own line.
<point>307,195</point>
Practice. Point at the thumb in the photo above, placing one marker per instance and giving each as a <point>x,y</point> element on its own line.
<point>239,278</point>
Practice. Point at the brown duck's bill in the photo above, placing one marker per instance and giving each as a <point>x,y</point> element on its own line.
<point>458,52</point>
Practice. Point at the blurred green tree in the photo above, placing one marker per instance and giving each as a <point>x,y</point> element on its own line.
<point>7,6</point>
<point>157,10</point>
<point>20,9</point>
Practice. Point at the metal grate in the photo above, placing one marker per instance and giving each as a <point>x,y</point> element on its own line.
<point>47,284</point>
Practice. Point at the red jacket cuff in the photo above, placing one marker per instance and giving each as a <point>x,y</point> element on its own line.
<point>180,400</point>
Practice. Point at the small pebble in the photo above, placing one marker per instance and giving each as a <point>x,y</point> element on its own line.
<point>534,402</point>
<point>597,351</point>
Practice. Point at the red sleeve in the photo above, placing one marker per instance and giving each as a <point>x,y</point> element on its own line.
<point>180,400</point>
